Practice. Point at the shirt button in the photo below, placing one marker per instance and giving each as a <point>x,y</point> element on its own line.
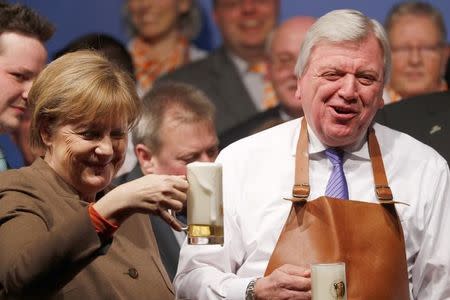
<point>133,273</point>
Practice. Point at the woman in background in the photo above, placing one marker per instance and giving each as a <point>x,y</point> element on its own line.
<point>162,31</point>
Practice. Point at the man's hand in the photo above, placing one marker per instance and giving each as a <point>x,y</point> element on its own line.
<point>286,282</point>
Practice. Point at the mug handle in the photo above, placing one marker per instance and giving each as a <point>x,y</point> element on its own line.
<point>184,227</point>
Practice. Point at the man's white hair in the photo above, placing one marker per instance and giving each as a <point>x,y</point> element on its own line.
<point>344,25</point>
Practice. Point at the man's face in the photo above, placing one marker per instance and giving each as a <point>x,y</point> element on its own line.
<point>284,50</point>
<point>418,56</point>
<point>21,60</point>
<point>245,24</point>
<point>181,143</point>
<point>341,90</point>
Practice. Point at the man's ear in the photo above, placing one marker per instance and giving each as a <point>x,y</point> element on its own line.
<point>215,15</point>
<point>447,52</point>
<point>446,56</point>
<point>145,158</point>
<point>381,103</point>
<point>297,91</point>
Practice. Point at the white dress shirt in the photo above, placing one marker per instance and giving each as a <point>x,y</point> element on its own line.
<point>253,82</point>
<point>258,172</point>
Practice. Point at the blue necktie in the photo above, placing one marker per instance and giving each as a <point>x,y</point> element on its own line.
<point>3,165</point>
<point>337,184</point>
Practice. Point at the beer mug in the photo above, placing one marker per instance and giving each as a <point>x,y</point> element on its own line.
<point>204,204</point>
<point>328,281</point>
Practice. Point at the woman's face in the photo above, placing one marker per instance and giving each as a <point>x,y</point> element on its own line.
<point>87,156</point>
<point>154,19</point>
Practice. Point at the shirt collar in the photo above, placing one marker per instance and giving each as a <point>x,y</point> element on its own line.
<point>240,64</point>
<point>358,150</point>
<point>284,115</point>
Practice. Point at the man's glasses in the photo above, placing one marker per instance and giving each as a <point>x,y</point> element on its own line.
<point>284,62</point>
<point>231,4</point>
<point>424,50</point>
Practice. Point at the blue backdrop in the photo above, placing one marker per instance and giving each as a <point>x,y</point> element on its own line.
<point>76,17</point>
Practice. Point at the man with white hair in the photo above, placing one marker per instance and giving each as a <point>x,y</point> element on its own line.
<point>303,173</point>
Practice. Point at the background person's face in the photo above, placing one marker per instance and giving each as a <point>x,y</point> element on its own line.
<point>87,156</point>
<point>284,50</point>
<point>341,90</point>
<point>156,18</point>
<point>21,60</point>
<point>183,143</point>
<point>418,58</point>
<point>245,24</point>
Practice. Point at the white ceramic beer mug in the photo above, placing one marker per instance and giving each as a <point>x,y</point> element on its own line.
<point>204,203</point>
<point>328,281</point>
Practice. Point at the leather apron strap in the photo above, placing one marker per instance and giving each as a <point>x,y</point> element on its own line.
<point>301,189</point>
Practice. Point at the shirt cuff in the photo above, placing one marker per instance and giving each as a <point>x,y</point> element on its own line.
<point>103,227</point>
<point>235,288</point>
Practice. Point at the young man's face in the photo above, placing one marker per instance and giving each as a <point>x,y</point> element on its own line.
<point>21,60</point>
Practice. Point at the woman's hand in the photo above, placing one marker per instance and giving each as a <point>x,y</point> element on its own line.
<point>150,194</point>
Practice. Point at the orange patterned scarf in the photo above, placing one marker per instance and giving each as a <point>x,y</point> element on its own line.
<point>149,65</point>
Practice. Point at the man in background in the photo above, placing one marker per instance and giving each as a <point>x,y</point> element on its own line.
<point>235,76</point>
<point>23,34</point>
<point>176,128</point>
<point>419,56</point>
<point>283,48</point>
<point>417,35</point>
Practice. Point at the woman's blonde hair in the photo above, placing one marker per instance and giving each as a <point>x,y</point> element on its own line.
<point>80,88</point>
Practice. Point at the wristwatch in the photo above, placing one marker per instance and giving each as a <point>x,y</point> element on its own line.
<point>250,291</point>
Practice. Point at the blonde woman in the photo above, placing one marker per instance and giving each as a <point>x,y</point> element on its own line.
<point>63,232</point>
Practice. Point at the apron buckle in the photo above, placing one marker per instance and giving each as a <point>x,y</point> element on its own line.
<point>383,192</point>
<point>300,192</point>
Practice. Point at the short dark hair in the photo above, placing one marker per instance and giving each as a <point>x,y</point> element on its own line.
<point>23,20</point>
<point>110,47</point>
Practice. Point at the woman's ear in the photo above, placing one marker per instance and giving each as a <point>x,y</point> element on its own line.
<point>44,131</point>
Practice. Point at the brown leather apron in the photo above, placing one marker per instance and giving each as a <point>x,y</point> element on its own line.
<point>368,237</point>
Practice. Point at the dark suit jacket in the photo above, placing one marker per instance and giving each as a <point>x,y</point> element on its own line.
<point>218,77</point>
<point>11,151</point>
<point>169,249</point>
<point>50,250</point>
<point>258,122</point>
<point>424,117</point>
